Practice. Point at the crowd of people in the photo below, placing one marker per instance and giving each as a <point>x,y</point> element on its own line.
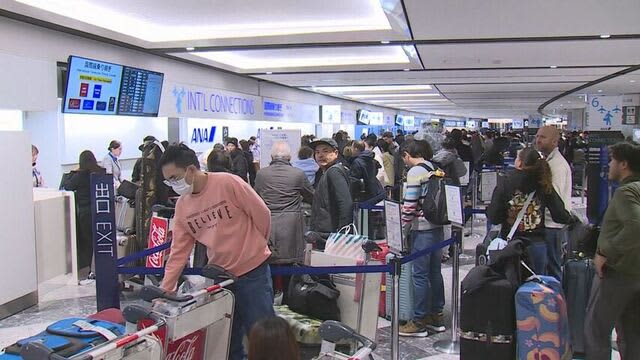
<point>248,215</point>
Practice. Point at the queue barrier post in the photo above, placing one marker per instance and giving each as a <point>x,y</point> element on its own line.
<point>452,346</point>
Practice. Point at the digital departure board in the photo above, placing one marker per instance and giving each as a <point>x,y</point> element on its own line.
<point>140,92</point>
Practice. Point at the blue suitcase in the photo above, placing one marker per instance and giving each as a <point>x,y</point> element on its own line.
<point>66,338</point>
<point>543,324</point>
<point>406,292</point>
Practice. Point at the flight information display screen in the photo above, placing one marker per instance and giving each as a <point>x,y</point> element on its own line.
<point>140,92</point>
<point>93,87</point>
<point>102,88</point>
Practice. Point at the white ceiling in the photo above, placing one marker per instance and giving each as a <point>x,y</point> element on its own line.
<point>490,58</point>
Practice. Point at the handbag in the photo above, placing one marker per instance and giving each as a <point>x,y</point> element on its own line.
<point>346,243</point>
<point>315,296</point>
<point>498,243</point>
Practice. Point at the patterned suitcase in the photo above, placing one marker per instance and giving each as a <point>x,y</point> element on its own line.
<point>543,325</point>
<point>406,292</point>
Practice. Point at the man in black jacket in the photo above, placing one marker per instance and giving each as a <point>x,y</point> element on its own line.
<point>238,160</point>
<point>365,168</point>
<point>332,206</point>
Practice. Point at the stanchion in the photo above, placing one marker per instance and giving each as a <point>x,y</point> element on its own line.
<point>396,264</point>
<point>453,346</point>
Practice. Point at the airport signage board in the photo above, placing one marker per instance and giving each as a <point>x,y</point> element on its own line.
<point>199,102</point>
<point>331,114</point>
<point>348,117</point>
<point>604,112</point>
<point>287,111</point>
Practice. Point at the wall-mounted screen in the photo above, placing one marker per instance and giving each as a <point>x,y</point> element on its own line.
<point>103,88</point>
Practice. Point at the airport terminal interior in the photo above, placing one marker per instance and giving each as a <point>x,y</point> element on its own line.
<point>337,179</point>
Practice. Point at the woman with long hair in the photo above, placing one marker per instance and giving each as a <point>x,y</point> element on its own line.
<point>532,174</point>
<point>80,183</point>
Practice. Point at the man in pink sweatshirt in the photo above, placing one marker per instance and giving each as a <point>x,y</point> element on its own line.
<point>223,213</point>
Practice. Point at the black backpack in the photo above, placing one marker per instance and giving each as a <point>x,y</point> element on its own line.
<point>434,205</point>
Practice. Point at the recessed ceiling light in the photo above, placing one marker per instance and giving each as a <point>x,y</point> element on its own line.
<point>406,69</point>
<point>190,48</point>
<point>632,81</point>
<point>384,42</point>
<point>404,101</point>
<point>378,96</point>
<point>269,72</point>
<point>371,88</point>
<point>605,36</point>
<point>553,66</point>
<point>599,90</point>
<point>309,57</point>
<point>153,29</point>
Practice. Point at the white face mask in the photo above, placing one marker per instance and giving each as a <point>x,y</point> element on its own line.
<point>181,187</point>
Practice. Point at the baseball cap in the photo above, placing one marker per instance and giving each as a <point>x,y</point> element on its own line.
<point>324,141</point>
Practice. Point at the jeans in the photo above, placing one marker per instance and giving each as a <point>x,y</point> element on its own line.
<point>537,251</point>
<point>614,301</point>
<point>428,295</point>
<point>253,301</point>
<point>554,239</point>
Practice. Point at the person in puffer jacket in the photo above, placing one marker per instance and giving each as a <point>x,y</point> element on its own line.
<point>449,161</point>
<point>364,167</point>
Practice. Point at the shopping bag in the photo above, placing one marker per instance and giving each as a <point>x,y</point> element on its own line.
<point>346,243</point>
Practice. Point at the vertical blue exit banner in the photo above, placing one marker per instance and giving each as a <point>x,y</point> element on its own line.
<point>104,241</point>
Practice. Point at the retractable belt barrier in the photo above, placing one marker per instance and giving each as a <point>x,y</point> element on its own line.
<point>276,270</point>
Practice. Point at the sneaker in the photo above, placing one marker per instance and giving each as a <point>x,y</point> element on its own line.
<point>414,329</point>
<point>435,322</point>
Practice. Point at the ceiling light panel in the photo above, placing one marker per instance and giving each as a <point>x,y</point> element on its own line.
<point>163,20</point>
<point>383,96</point>
<point>310,57</point>
<point>369,88</point>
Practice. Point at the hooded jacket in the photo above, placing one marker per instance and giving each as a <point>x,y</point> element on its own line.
<point>453,167</point>
<point>508,198</point>
<point>365,168</point>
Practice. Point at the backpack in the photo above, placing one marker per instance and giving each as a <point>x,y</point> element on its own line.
<point>434,205</point>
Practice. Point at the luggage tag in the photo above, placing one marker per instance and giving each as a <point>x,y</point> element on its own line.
<point>106,333</point>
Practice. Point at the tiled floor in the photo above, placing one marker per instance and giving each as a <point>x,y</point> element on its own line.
<point>59,298</point>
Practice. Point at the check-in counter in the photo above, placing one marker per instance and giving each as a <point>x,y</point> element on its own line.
<point>55,233</point>
<point>19,288</point>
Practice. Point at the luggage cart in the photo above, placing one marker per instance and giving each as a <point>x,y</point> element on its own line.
<point>333,332</point>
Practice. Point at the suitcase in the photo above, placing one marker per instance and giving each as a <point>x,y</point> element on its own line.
<point>543,325</point>
<point>577,280</point>
<point>66,338</point>
<point>406,292</point>
<point>481,249</point>
<point>125,215</point>
<point>487,316</point>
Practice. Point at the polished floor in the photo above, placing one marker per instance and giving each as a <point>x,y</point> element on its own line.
<point>60,298</point>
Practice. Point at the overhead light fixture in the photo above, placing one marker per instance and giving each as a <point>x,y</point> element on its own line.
<point>371,17</point>
<point>309,57</point>
<point>554,66</point>
<point>385,42</point>
<point>605,36</point>
<point>632,81</point>
<point>378,96</point>
<point>405,101</point>
<point>406,69</point>
<point>370,88</point>
<point>599,90</point>
<point>190,48</point>
<point>269,72</point>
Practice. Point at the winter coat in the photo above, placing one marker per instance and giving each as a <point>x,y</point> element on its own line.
<point>239,164</point>
<point>283,188</point>
<point>453,167</point>
<point>309,167</point>
<point>508,197</point>
<point>251,167</point>
<point>365,168</point>
<point>332,207</point>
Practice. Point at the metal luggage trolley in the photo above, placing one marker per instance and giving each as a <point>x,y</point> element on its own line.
<point>333,332</point>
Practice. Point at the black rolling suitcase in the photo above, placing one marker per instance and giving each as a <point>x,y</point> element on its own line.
<point>487,316</point>
<point>577,280</point>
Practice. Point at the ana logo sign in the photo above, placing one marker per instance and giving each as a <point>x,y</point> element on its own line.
<point>203,135</point>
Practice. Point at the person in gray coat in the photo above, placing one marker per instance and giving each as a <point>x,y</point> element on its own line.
<point>283,188</point>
